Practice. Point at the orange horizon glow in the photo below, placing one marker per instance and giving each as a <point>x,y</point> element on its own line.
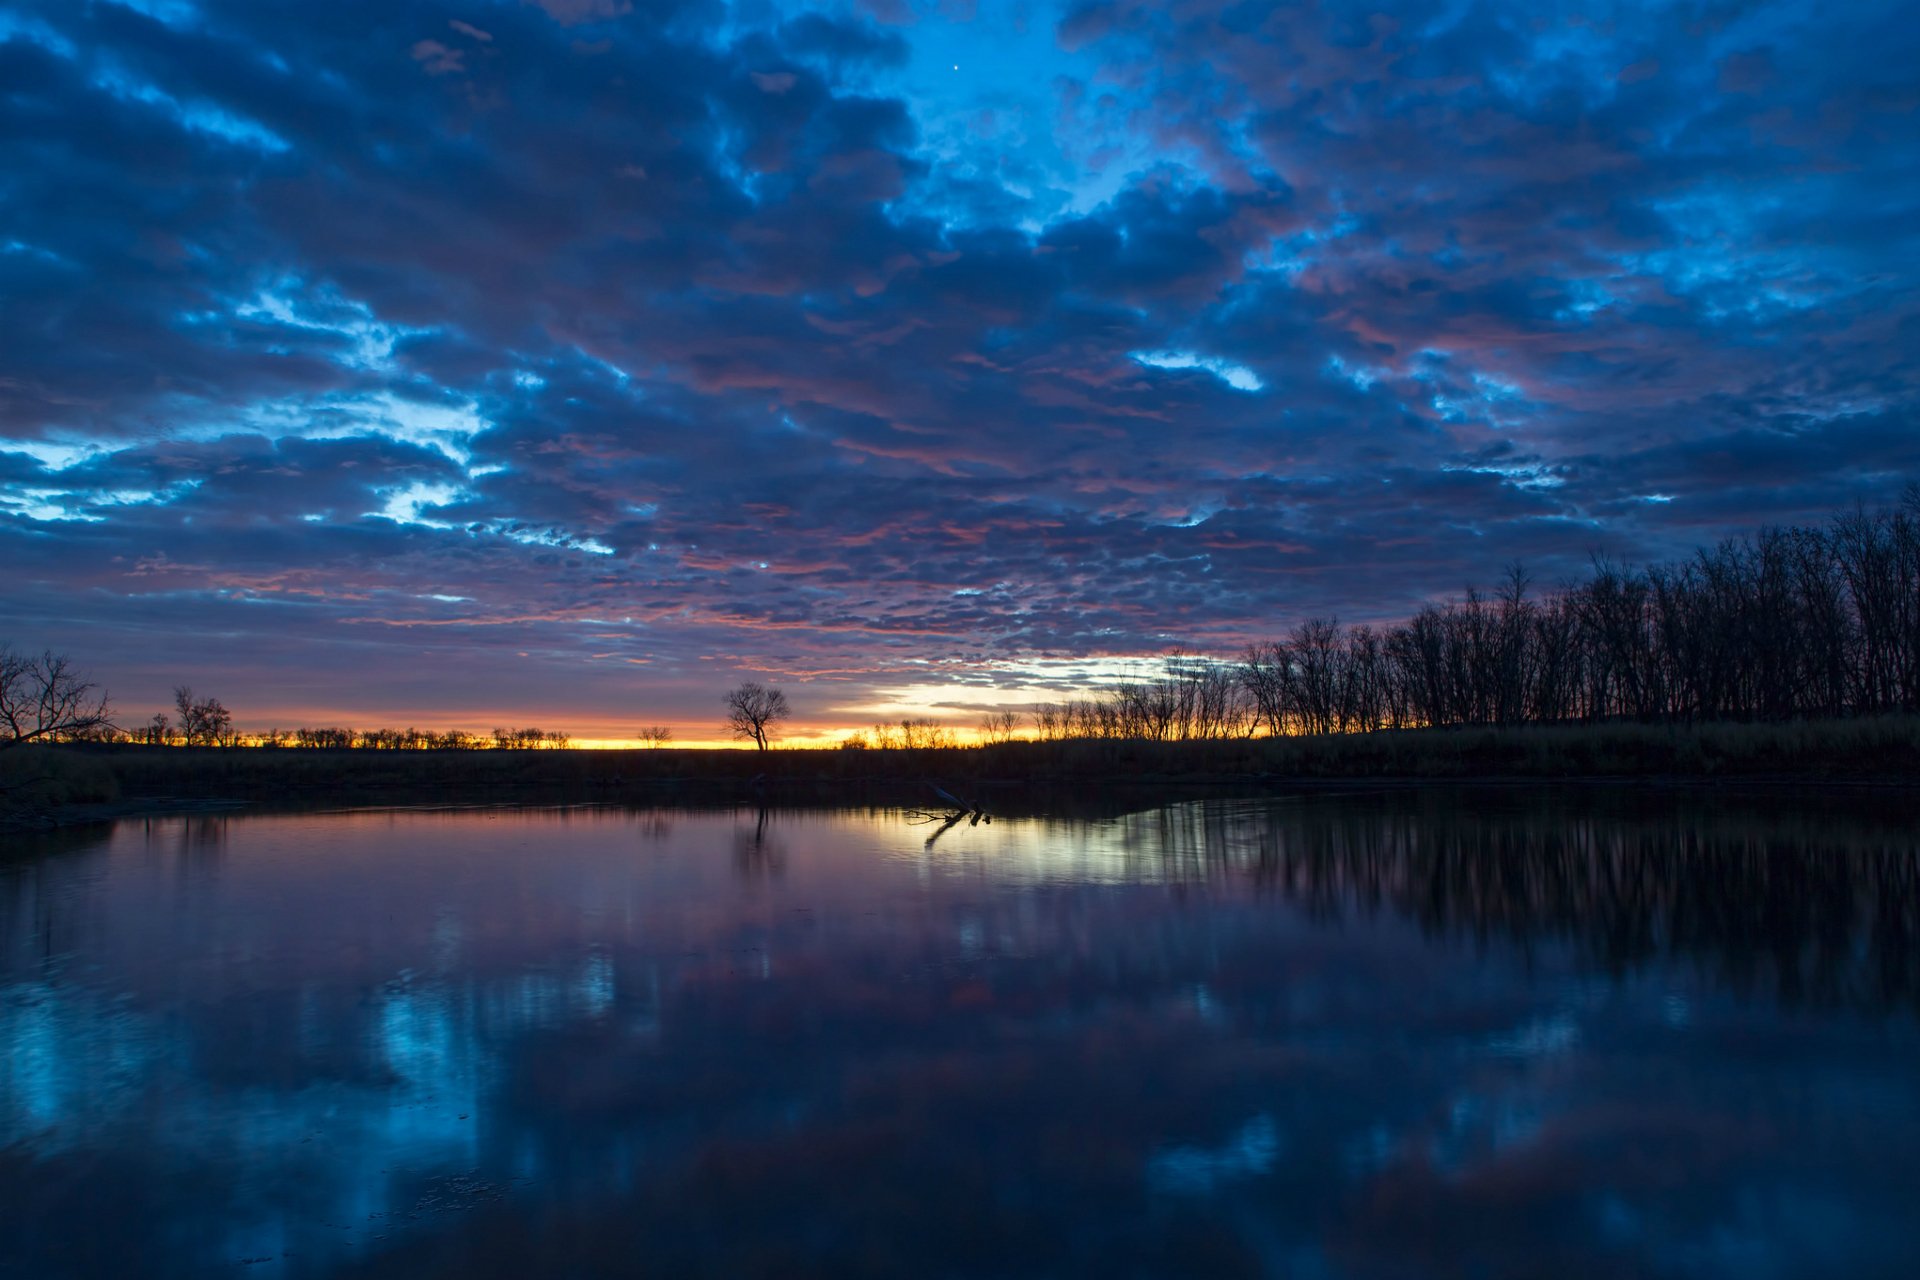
<point>805,737</point>
<point>839,713</point>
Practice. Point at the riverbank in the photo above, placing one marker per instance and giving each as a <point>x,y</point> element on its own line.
<point>87,782</point>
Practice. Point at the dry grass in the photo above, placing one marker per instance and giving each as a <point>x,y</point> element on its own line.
<point>1878,749</point>
<point>35,780</point>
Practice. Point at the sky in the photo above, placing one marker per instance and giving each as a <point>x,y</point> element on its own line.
<point>565,362</point>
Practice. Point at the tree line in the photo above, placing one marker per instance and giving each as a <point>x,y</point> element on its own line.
<point>1811,621</point>
<point>162,731</point>
<point>905,735</point>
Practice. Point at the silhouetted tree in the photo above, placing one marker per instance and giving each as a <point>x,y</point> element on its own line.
<point>203,721</point>
<point>1780,624</point>
<point>753,711</point>
<point>45,699</point>
<point>1000,726</point>
<point>655,735</point>
<point>915,735</point>
<point>528,739</point>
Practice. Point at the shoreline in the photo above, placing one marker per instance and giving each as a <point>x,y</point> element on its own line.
<point>1005,798</point>
<point>67,817</point>
<point>51,787</point>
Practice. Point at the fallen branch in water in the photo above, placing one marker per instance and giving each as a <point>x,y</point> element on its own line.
<point>972,814</point>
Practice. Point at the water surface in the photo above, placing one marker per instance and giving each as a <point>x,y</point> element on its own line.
<point>1488,1034</point>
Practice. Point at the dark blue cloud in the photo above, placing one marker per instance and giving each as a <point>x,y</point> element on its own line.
<point>599,349</point>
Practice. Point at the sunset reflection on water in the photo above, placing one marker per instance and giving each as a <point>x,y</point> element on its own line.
<point>1366,1036</point>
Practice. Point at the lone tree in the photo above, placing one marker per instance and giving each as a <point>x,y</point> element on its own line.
<point>44,698</point>
<point>656,735</point>
<point>753,710</point>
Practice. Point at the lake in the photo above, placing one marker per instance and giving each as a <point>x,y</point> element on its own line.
<point>1622,1032</point>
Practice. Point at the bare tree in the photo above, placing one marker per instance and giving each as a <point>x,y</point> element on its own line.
<point>45,699</point>
<point>203,721</point>
<point>1048,722</point>
<point>1000,726</point>
<point>753,710</point>
<point>916,735</point>
<point>655,735</point>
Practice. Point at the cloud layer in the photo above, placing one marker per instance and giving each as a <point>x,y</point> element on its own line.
<point>518,360</point>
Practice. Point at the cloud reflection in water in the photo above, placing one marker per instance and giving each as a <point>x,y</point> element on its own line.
<point>1348,1037</point>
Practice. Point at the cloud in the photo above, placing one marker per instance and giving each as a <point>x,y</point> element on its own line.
<point>438,60</point>
<point>758,339</point>
<point>569,13</point>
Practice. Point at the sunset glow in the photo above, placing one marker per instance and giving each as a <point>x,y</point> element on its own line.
<point>463,363</point>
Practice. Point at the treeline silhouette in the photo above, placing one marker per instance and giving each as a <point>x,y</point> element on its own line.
<point>903,735</point>
<point>1787,623</point>
<point>162,732</point>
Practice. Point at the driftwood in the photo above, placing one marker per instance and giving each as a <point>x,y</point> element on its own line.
<point>958,811</point>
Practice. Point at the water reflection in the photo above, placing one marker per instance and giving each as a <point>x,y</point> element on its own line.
<point>755,852</point>
<point>1384,1035</point>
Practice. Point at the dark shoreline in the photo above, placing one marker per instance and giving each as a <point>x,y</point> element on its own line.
<point>98,783</point>
<point>1881,748</point>
<point>993,799</point>
<point>67,817</point>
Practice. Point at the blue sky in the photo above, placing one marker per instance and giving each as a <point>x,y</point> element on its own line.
<point>485,361</point>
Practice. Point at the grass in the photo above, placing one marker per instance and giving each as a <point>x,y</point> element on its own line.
<point>36,782</point>
<point>1868,749</point>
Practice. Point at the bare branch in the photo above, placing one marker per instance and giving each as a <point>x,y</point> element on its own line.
<point>753,711</point>
<point>44,699</point>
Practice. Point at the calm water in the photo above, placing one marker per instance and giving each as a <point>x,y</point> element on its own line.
<point>1379,1036</point>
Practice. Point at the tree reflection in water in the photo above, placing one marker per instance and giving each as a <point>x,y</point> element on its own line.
<point>1498,1033</point>
<point>1808,905</point>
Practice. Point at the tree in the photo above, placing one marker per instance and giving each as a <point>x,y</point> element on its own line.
<point>203,722</point>
<point>917,735</point>
<point>1000,726</point>
<point>44,698</point>
<point>655,735</point>
<point>753,710</point>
